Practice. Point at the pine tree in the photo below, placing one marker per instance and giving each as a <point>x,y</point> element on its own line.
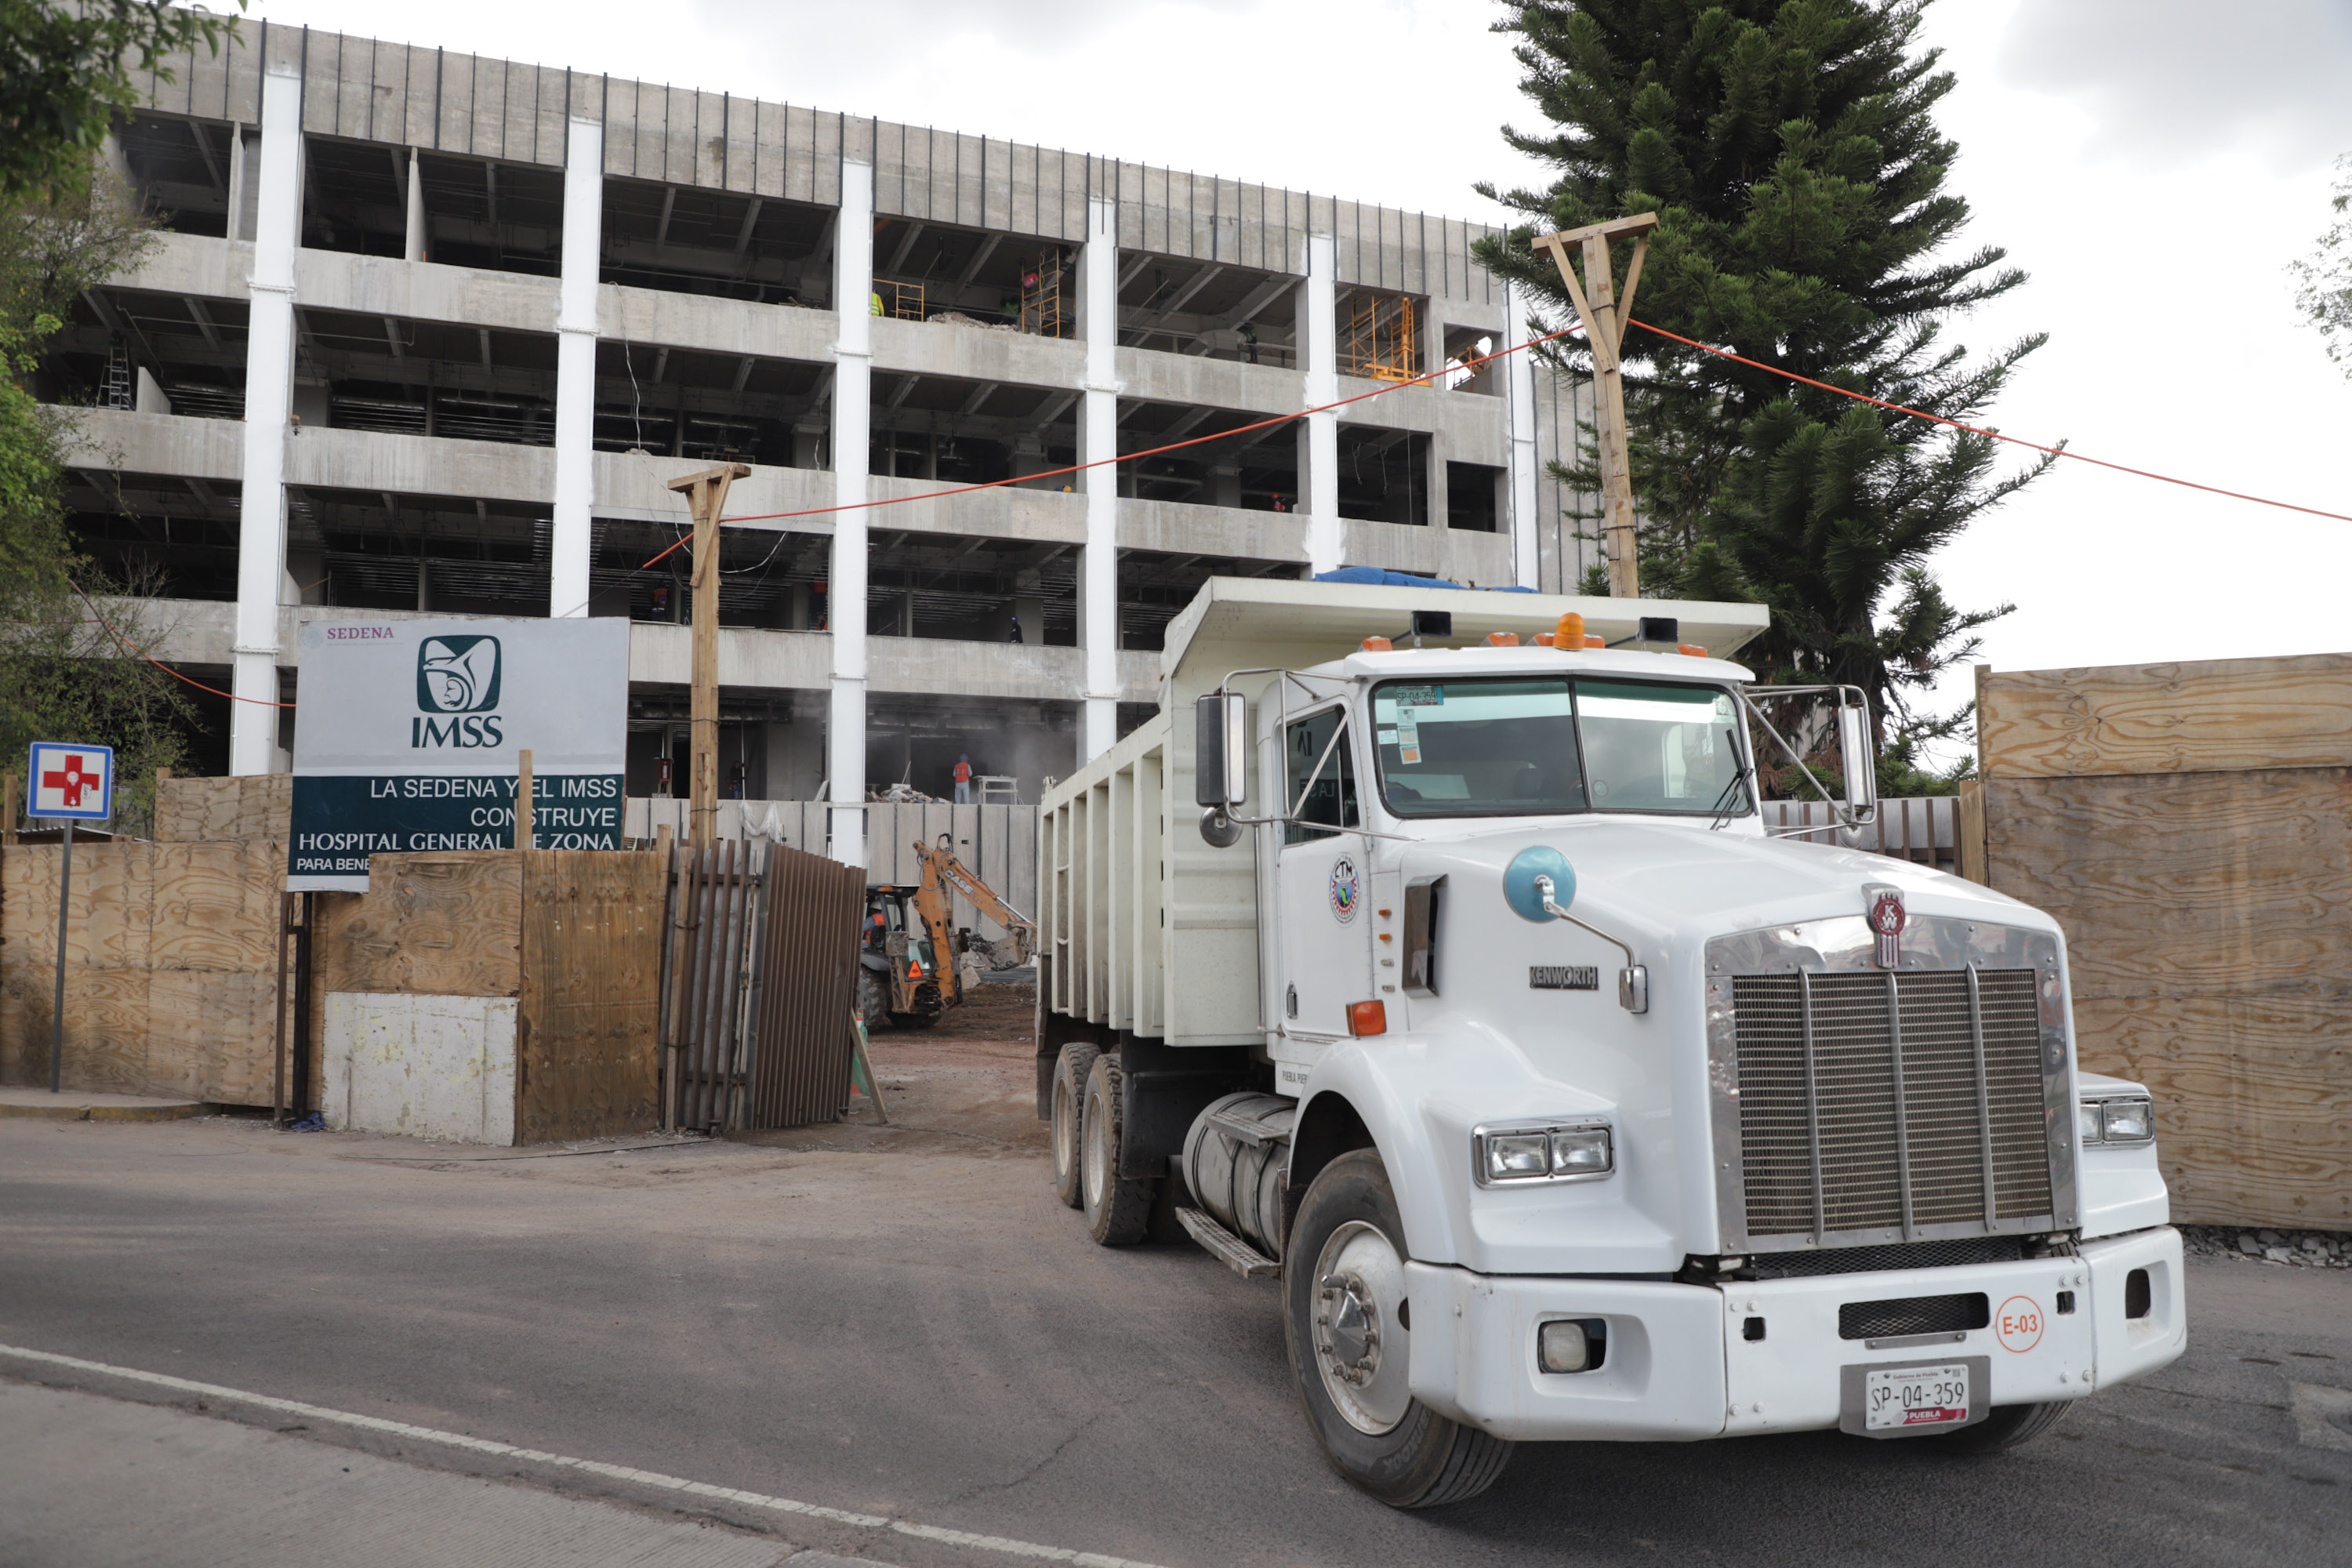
<point>1790,152</point>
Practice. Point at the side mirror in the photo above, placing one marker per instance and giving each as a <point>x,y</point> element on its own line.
<point>1857,760</point>
<point>1221,760</point>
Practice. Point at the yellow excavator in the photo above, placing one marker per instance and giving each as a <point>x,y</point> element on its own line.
<point>907,973</point>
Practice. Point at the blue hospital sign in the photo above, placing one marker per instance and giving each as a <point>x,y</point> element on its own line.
<point>408,733</point>
<point>75,783</point>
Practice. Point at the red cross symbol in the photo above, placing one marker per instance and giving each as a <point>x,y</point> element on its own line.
<point>71,783</point>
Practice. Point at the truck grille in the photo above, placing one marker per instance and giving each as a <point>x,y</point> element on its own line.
<point>1890,1101</point>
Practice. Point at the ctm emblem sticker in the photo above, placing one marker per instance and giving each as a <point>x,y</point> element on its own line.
<point>1347,889</point>
<point>457,674</point>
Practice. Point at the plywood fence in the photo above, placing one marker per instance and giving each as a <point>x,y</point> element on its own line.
<point>171,967</point>
<point>574,935</point>
<point>2190,826</point>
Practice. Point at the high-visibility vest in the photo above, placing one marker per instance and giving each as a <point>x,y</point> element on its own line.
<point>963,773</point>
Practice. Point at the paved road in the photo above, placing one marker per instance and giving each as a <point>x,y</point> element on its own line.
<point>907,1325</point>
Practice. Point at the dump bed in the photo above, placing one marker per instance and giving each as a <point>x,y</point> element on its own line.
<point>1144,927</point>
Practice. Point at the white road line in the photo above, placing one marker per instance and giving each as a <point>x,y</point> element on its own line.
<point>997,1543</point>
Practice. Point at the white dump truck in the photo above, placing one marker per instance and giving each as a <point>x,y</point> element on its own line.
<point>1427,951</point>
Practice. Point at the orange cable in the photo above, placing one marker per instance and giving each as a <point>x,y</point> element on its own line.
<point>1450,367</point>
<point>1980,430</point>
<point>142,653</point>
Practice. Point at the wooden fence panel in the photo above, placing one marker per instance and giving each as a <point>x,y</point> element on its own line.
<point>2208,924</point>
<point>2211,715</point>
<point>171,967</point>
<point>586,1036</point>
<point>441,924</point>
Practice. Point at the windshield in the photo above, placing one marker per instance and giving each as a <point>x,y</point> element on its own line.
<point>1518,747</point>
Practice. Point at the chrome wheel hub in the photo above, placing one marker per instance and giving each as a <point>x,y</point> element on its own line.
<point>1361,1350</point>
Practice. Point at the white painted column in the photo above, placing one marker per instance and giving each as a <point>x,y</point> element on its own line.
<point>853,422</point>
<point>1520,466</point>
<point>269,402</point>
<point>413,246</point>
<point>1318,475</point>
<point>1099,442</point>
<point>575,368</point>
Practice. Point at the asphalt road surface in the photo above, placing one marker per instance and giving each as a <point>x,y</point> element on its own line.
<point>905,1327</point>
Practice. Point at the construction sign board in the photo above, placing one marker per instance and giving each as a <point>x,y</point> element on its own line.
<point>409,734</point>
<point>75,783</point>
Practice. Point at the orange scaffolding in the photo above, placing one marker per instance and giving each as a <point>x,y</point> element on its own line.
<point>1379,341</point>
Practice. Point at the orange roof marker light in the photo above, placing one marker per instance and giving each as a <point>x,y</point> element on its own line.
<point>1570,634</point>
<point>1379,645</point>
<point>1502,639</point>
<point>1691,649</point>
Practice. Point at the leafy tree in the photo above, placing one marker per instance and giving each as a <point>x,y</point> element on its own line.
<point>66,74</point>
<point>2327,293</point>
<point>1790,152</point>
<point>62,675</point>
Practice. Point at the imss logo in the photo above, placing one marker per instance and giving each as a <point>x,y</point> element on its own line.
<point>457,675</point>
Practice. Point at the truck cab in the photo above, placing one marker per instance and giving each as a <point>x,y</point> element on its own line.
<point>1471,1000</point>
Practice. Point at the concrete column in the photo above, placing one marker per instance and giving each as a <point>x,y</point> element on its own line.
<point>853,428</point>
<point>268,401</point>
<point>1318,444</point>
<point>1099,442</point>
<point>1519,411</point>
<point>413,249</point>
<point>575,364</point>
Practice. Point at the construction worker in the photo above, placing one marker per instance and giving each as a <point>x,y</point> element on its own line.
<point>963,779</point>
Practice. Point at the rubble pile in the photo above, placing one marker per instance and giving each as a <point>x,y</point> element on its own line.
<point>2298,1248</point>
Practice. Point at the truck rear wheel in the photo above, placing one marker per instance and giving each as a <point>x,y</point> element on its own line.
<point>1351,1344</point>
<point>1118,1208</point>
<point>873,1003</point>
<point>2006,1428</point>
<point>1070,1070</point>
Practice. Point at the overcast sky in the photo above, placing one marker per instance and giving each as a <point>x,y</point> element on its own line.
<point>2153,164</point>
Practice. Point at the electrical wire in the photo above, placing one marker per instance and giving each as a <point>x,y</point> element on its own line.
<point>1980,430</point>
<point>142,653</point>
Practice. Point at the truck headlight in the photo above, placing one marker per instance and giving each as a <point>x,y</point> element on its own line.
<point>1559,1153</point>
<point>2127,1121</point>
<point>1517,1156</point>
<point>1582,1152</point>
<point>2128,1118</point>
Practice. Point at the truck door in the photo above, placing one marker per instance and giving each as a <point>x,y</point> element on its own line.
<point>1322,880</point>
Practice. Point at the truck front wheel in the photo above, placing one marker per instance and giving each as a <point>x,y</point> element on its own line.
<point>1118,1208</point>
<point>1070,1070</point>
<point>1350,1329</point>
<point>2005,1428</point>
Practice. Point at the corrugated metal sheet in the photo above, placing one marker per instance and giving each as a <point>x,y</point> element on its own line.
<point>808,990</point>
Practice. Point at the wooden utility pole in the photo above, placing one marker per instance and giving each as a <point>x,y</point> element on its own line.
<point>1604,314</point>
<point>708,493</point>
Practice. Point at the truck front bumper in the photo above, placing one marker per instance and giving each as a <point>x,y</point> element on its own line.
<point>1685,1361</point>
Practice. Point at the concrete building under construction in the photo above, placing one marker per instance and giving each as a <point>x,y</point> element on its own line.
<point>428,333</point>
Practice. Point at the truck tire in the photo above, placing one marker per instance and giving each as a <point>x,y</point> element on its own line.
<point>1118,1208</point>
<point>872,1003</point>
<point>1070,1070</point>
<point>1343,1287</point>
<point>2006,1428</point>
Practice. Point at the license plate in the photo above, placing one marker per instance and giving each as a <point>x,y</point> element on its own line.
<point>1912,1397</point>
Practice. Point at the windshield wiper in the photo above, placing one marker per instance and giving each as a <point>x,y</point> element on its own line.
<point>1724,807</point>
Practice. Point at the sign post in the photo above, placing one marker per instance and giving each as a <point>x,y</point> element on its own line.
<point>71,784</point>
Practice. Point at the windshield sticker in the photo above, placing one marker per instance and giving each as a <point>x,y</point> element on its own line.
<point>1386,737</point>
<point>1415,695</point>
<point>1408,736</point>
<point>1347,889</point>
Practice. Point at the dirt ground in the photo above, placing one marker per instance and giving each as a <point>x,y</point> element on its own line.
<point>967,1085</point>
